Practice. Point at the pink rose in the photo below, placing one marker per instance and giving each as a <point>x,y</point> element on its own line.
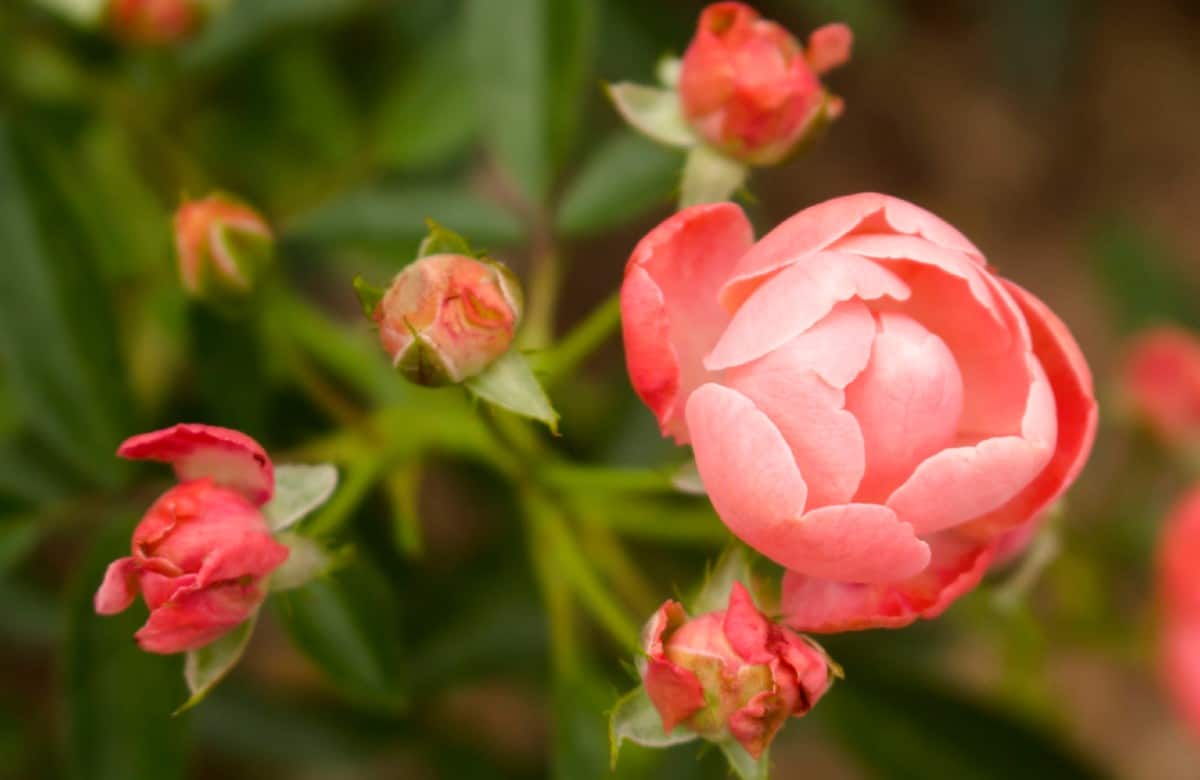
<point>869,405</point>
<point>730,673</point>
<point>154,21</point>
<point>1160,380</point>
<point>1179,589</point>
<point>202,550</point>
<point>748,87</point>
<point>222,246</point>
<point>446,317</point>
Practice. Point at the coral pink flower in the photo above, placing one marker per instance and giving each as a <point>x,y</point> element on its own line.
<point>748,87</point>
<point>1160,379</point>
<point>869,405</point>
<point>730,673</point>
<point>222,244</point>
<point>1179,586</point>
<point>202,550</point>
<point>446,317</point>
<point>154,21</point>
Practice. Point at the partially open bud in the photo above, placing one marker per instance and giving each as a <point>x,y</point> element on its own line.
<point>750,89</point>
<point>446,317</point>
<point>155,22</point>
<point>730,673</point>
<point>223,246</point>
<point>1160,384</point>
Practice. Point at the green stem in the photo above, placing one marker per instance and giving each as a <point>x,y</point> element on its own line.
<point>584,339</point>
<point>603,479</point>
<point>544,280</point>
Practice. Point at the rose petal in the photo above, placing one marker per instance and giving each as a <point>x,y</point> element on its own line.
<point>745,627</point>
<point>814,605</point>
<point>907,401</point>
<point>669,309</point>
<point>119,588</point>
<point>817,227</point>
<point>675,692</point>
<point>1075,410</point>
<point>793,301</point>
<point>798,387</point>
<point>198,617</point>
<point>829,47</point>
<point>226,456</point>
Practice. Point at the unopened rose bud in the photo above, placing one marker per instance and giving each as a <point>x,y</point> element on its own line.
<point>446,317</point>
<point>750,89</point>
<point>201,553</point>
<point>1160,384</point>
<point>730,673</point>
<point>155,22</point>
<point>223,246</point>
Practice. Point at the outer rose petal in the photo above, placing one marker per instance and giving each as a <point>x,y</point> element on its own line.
<point>820,606</point>
<point>669,310</point>
<point>757,490</point>
<point>119,588</point>
<point>745,627</point>
<point>1178,554</point>
<point>829,47</point>
<point>228,457</point>
<point>755,724</point>
<point>817,227</point>
<point>1075,408</point>
<point>194,619</point>
<point>675,692</point>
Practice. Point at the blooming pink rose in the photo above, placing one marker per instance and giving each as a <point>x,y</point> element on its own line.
<point>869,405</point>
<point>748,87</point>
<point>200,554</point>
<point>1179,588</point>
<point>446,317</point>
<point>731,672</point>
<point>1160,379</point>
<point>222,245</point>
<point>154,21</point>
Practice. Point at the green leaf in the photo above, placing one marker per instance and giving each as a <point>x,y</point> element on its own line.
<point>307,559</point>
<point>299,490</point>
<point>441,240</point>
<point>531,60</point>
<point>392,217</point>
<point>741,762</point>
<point>346,624</point>
<point>624,178</point>
<point>57,345</point>
<point>710,177</point>
<point>509,383</point>
<point>368,294</point>
<point>118,698</point>
<point>205,667</point>
<point>634,718</point>
<point>921,729</point>
<point>653,111</point>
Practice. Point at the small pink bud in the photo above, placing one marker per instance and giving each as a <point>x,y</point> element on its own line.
<point>200,554</point>
<point>1179,591</point>
<point>154,22</point>
<point>1160,382</point>
<point>747,86</point>
<point>446,317</point>
<point>730,673</point>
<point>223,246</point>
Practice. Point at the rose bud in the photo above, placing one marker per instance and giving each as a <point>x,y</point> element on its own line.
<point>201,553</point>
<point>154,22</point>
<point>730,673</point>
<point>446,317</point>
<point>1179,592</point>
<point>869,405</point>
<point>223,247</point>
<point>1160,383</point>
<point>750,89</point>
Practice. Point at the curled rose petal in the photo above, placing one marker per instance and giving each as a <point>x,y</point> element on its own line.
<point>228,457</point>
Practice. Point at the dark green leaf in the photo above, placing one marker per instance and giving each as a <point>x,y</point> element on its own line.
<point>531,59</point>
<point>346,623</point>
<point>57,342</point>
<point>625,177</point>
<point>119,699</point>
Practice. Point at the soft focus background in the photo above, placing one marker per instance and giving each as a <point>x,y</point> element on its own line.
<point>1060,135</point>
